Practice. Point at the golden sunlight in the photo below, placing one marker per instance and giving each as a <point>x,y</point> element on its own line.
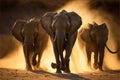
<point>14,61</point>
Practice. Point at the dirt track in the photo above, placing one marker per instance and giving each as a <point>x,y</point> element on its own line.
<point>14,74</point>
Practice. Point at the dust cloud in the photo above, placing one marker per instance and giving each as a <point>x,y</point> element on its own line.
<point>14,61</point>
<point>47,58</point>
<point>78,58</point>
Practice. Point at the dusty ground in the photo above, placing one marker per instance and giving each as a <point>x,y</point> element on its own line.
<point>14,74</point>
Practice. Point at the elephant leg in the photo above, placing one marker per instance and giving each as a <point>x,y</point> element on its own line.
<point>39,59</point>
<point>62,62</point>
<point>57,64</point>
<point>34,62</point>
<point>68,53</point>
<point>39,56</point>
<point>70,44</point>
<point>95,60</point>
<point>101,61</point>
<point>39,48</point>
<point>38,51</point>
<point>27,59</point>
<point>88,52</point>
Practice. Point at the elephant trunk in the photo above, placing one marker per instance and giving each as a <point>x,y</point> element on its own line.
<point>60,40</point>
<point>110,50</point>
<point>27,57</point>
<point>28,42</point>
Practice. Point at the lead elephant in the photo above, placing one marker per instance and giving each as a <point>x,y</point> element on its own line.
<point>62,28</point>
<point>94,37</point>
<point>33,38</point>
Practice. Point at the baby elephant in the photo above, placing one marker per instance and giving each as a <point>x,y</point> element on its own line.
<point>93,38</point>
<point>33,38</point>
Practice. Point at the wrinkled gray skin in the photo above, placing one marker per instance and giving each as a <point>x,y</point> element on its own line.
<point>94,37</point>
<point>33,38</point>
<point>62,29</point>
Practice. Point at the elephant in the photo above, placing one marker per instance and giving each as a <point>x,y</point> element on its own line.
<point>62,28</point>
<point>93,38</point>
<point>33,38</point>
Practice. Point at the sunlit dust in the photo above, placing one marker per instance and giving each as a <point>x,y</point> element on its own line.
<point>78,60</point>
<point>14,61</point>
<point>48,58</point>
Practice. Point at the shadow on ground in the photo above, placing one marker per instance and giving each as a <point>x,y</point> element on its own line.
<point>13,74</point>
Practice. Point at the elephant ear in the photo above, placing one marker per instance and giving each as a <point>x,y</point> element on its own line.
<point>17,29</point>
<point>104,25</point>
<point>75,22</point>
<point>46,21</point>
<point>85,32</point>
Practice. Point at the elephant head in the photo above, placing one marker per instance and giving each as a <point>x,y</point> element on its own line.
<point>61,27</point>
<point>33,38</point>
<point>26,31</point>
<point>64,24</point>
<point>99,34</point>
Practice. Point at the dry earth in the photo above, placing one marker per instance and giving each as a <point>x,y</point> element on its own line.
<point>14,74</point>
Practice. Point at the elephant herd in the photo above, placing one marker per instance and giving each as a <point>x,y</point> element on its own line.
<point>62,28</point>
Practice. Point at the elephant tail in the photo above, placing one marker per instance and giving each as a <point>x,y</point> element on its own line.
<point>113,52</point>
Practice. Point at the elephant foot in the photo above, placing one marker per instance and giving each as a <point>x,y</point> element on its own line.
<point>34,62</point>
<point>95,65</point>
<point>62,68</point>
<point>36,67</point>
<point>29,69</point>
<point>58,71</point>
<point>53,65</point>
<point>66,71</point>
<point>100,69</point>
